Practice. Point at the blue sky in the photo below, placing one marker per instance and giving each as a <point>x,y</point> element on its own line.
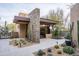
<point>9,10</point>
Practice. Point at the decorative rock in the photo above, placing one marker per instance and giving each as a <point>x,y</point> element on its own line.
<point>49,50</point>
<point>49,55</point>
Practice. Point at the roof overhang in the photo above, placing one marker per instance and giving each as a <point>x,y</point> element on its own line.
<point>21,20</point>
<point>46,21</point>
<point>25,20</point>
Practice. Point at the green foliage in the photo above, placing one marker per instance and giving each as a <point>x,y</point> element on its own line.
<point>18,42</point>
<point>49,50</point>
<point>23,41</point>
<point>59,52</point>
<point>68,36</point>
<point>15,42</point>
<point>4,30</point>
<point>57,16</point>
<point>56,46</point>
<point>68,50</point>
<point>11,26</point>
<point>40,53</point>
<point>56,32</point>
<point>63,45</point>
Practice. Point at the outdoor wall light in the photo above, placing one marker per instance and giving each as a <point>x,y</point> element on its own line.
<point>50,27</point>
<point>43,25</point>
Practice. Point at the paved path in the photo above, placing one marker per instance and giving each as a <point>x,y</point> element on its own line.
<point>8,50</point>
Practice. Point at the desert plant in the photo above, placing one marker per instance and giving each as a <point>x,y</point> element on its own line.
<point>55,33</point>
<point>40,53</point>
<point>68,50</point>
<point>15,42</point>
<point>59,52</point>
<point>19,44</point>
<point>49,50</point>
<point>23,42</point>
<point>74,44</point>
<point>63,45</point>
<point>68,36</point>
<point>56,46</point>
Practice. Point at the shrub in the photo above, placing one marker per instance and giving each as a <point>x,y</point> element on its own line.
<point>49,50</point>
<point>18,43</point>
<point>40,53</point>
<point>68,36</point>
<point>23,41</point>
<point>63,45</point>
<point>74,44</point>
<point>68,50</point>
<point>15,42</point>
<point>56,33</point>
<point>59,52</point>
<point>56,46</point>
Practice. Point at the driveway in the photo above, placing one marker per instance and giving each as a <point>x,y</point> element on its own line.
<point>9,50</point>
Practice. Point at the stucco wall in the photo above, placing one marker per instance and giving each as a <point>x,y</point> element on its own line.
<point>74,18</point>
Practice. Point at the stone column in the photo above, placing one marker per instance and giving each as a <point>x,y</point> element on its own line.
<point>34,25</point>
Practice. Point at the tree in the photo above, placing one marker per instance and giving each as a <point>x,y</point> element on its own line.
<point>11,27</point>
<point>58,17</point>
<point>56,33</point>
<point>4,30</point>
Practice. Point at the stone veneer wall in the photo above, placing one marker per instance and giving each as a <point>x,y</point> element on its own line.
<point>34,25</point>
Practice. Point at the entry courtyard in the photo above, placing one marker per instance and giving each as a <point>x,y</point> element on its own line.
<point>9,50</point>
<point>40,31</point>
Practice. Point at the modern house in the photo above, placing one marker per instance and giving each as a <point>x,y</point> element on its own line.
<point>74,15</point>
<point>33,27</point>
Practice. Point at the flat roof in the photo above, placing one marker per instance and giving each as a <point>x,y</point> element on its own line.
<point>19,19</point>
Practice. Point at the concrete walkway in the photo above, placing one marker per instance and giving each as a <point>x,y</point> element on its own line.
<point>8,50</point>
